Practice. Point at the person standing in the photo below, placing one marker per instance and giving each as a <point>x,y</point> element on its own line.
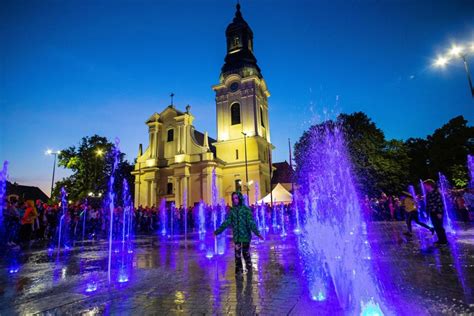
<point>412,214</point>
<point>243,224</point>
<point>27,222</point>
<point>434,207</point>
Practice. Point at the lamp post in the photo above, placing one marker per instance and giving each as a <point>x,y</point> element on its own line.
<point>246,165</point>
<point>458,52</point>
<point>55,154</point>
<point>98,153</point>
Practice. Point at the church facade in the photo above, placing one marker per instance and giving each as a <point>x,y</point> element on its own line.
<point>179,163</point>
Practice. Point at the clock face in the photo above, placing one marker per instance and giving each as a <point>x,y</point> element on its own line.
<point>234,86</point>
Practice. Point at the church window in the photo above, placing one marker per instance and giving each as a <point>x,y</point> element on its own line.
<point>235,113</point>
<point>261,117</point>
<point>236,154</point>
<point>238,185</point>
<point>169,188</point>
<point>170,135</point>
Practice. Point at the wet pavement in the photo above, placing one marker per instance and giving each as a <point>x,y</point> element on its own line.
<point>166,276</point>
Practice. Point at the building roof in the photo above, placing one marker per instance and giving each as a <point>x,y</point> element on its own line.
<point>25,192</point>
<point>200,139</point>
<point>283,173</point>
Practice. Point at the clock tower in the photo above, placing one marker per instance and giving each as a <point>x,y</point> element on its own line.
<point>243,131</point>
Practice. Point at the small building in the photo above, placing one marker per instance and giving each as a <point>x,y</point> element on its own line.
<point>20,192</point>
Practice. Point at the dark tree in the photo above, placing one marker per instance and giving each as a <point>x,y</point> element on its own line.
<point>91,165</point>
<point>378,165</point>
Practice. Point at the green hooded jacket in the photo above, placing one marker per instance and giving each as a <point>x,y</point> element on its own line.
<point>242,222</point>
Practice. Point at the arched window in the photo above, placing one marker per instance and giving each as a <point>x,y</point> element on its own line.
<point>261,117</point>
<point>170,137</point>
<point>235,113</point>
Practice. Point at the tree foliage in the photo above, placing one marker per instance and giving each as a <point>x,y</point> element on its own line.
<point>381,165</point>
<point>91,165</point>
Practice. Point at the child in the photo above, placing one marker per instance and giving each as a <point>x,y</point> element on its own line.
<point>243,224</point>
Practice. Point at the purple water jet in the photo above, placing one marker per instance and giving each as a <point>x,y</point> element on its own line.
<point>444,188</point>
<point>470,168</point>
<point>111,203</point>
<point>163,217</point>
<point>332,242</point>
<point>62,219</point>
<point>3,191</point>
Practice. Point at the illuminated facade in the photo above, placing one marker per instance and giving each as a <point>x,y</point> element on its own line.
<point>179,161</point>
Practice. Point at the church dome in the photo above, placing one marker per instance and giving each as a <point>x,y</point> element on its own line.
<point>240,58</point>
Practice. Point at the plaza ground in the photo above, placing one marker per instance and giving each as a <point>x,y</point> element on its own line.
<point>176,277</point>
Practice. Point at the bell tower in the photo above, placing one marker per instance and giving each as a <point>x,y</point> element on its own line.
<point>242,115</point>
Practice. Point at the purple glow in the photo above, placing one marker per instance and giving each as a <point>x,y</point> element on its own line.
<point>370,308</point>
<point>444,188</point>
<point>123,277</point>
<point>201,220</point>
<point>332,240</point>
<point>111,198</point>
<point>13,270</point>
<point>91,287</point>
<point>163,216</point>
<point>62,219</point>
<point>424,217</point>
<point>282,217</point>
<point>3,191</point>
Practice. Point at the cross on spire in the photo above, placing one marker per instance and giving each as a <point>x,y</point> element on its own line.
<point>172,95</point>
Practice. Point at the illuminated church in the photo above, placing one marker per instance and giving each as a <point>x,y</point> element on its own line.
<point>179,161</point>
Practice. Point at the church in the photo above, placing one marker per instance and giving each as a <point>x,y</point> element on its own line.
<point>179,163</point>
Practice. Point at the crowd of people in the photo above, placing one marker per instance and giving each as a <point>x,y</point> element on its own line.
<point>33,222</point>
<point>392,207</point>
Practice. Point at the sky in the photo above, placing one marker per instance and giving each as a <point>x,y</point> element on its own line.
<point>73,68</point>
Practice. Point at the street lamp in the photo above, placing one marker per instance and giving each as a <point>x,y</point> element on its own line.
<point>98,154</point>
<point>457,51</point>
<point>49,152</point>
<point>246,165</point>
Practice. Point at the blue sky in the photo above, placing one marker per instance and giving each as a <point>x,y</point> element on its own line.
<point>76,68</point>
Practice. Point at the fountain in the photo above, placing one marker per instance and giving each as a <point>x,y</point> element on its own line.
<point>332,241</point>
<point>263,222</point>
<point>282,217</point>
<point>424,216</point>
<point>111,203</point>
<point>274,216</point>
<point>297,229</point>
<point>163,217</point>
<point>201,220</point>
<point>3,191</point>
<point>221,237</point>
<point>62,225</point>
<point>185,205</point>
<point>470,167</point>
<point>444,188</point>
<point>172,211</point>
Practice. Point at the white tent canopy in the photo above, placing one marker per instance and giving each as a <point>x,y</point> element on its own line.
<point>279,195</point>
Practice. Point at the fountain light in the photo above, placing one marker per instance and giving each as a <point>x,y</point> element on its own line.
<point>370,309</point>
<point>91,287</point>
<point>319,297</point>
<point>13,270</point>
<point>209,255</point>
<point>123,278</point>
